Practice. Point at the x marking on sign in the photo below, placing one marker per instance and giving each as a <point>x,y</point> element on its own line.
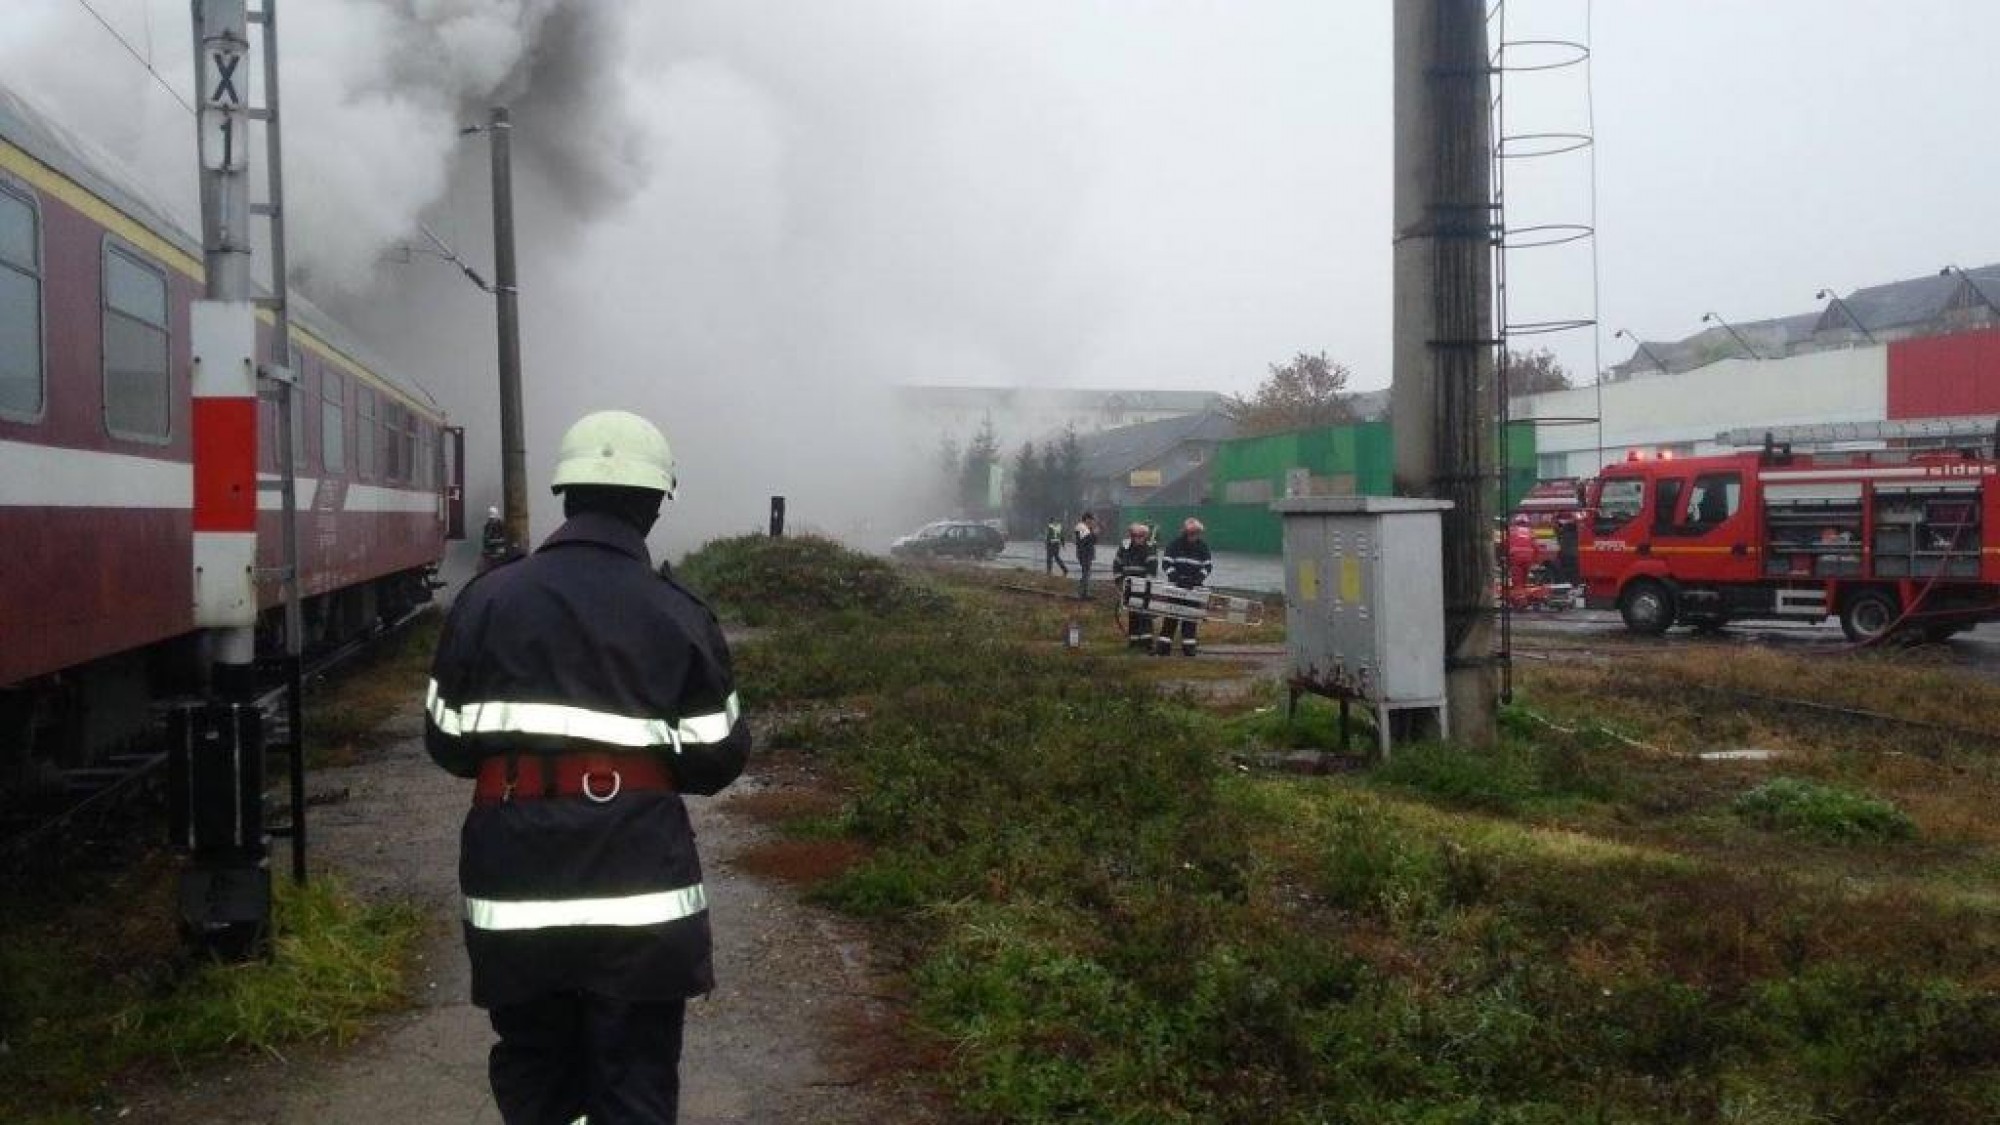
<point>225,81</point>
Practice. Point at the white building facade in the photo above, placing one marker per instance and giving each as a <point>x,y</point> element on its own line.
<point>1578,431</point>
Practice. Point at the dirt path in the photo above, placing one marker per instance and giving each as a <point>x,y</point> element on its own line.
<point>774,1043</point>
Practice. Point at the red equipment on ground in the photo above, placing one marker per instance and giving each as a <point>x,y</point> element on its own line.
<point>1887,541</point>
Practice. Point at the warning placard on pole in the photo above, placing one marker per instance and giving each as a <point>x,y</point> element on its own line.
<point>224,105</point>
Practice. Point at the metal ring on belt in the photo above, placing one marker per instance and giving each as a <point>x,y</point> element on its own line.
<point>617,783</point>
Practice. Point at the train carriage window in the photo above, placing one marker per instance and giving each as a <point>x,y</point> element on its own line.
<point>392,441</point>
<point>302,397</point>
<point>364,433</point>
<point>332,422</point>
<point>136,375</point>
<point>409,440</point>
<point>21,385</point>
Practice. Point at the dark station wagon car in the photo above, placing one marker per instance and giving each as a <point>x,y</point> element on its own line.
<point>950,539</point>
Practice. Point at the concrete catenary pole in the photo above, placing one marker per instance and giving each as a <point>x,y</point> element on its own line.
<point>1442,394</point>
<point>513,438</point>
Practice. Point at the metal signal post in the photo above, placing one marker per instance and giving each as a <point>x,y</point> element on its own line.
<point>216,747</point>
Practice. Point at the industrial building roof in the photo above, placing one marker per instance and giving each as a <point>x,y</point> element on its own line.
<point>1912,306</point>
<point>1112,453</point>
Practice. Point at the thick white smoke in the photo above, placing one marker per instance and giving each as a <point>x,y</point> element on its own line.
<point>753,219</point>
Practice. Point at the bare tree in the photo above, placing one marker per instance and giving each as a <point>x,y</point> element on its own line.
<point>1307,393</point>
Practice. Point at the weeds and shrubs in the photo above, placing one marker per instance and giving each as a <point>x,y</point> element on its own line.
<point>762,581</point>
<point>1829,812</point>
<point>1107,924</point>
<point>71,1021</point>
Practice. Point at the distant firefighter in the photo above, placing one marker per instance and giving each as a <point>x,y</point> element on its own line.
<point>586,692</point>
<point>1188,564</point>
<point>1086,551</point>
<point>1522,552</point>
<point>1052,560</point>
<point>492,539</point>
<point>1138,558</point>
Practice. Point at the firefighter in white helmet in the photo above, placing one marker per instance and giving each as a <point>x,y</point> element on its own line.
<point>586,693</point>
<point>493,545</point>
<point>1188,563</point>
<point>1137,559</point>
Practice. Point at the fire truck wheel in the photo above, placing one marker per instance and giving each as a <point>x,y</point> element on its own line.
<point>1868,615</point>
<point>1647,607</point>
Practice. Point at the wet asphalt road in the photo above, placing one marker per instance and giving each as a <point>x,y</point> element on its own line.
<point>1266,573</point>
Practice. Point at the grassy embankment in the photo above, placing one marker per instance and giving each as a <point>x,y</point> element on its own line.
<point>1108,920</point>
<point>97,989</point>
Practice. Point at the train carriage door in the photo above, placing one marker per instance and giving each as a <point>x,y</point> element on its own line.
<point>454,477</point>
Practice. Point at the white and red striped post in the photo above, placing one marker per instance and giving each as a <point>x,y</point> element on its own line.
<point>225,469</point>
<point>216,748</point>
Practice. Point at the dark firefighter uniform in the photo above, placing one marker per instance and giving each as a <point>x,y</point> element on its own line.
<point>1086,552</point>
<point>1136,558</point>
<point>1187,563</point>
<point>586,692</point>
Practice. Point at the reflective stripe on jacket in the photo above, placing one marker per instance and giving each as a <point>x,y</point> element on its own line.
<point>584,647</point>
<point>1187,562</point>
<point>1136,560</point>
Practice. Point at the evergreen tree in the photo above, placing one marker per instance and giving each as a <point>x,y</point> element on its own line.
<point>1027,491</point>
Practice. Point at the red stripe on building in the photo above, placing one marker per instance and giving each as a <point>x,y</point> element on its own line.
<point>225,464</point>
<point>1945,376</point>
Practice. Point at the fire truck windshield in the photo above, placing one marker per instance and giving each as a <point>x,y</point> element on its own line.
<point>1618,500</point>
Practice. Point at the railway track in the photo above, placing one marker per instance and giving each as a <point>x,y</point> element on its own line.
<point>90,796</point>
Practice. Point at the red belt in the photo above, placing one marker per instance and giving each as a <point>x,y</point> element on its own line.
<point>599,777</point>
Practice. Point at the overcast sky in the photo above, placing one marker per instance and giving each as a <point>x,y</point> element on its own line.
<point>779,197</point>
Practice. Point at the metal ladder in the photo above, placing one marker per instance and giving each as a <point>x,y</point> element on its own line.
<point>279,381</point>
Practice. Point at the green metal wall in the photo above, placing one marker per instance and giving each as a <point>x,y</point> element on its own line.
<point>1362,451</point>
<point>1365,451</point>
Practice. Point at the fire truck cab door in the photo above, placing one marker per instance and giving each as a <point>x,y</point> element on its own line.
<point>1700,522</point>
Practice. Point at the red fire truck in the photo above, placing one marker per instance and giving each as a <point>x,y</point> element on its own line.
<point>1888,541</point>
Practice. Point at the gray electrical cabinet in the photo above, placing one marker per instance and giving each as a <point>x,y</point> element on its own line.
<point>1364,602</point>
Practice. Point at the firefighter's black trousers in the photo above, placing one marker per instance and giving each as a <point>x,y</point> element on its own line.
<point>564,1056</point>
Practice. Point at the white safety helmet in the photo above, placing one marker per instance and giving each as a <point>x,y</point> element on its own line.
<point>492,513</point>
<point>617,448</point>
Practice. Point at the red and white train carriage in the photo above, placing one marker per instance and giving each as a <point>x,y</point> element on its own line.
<point>96,489</point>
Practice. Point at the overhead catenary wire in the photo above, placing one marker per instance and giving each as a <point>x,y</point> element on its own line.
<point>141,59</point>
<point>445,251</point>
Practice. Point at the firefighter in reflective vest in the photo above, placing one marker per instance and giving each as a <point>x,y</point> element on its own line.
<point>586,693</point>
<point>1137,559</point>
<point>1052,537</point>
<point>1188,563</point>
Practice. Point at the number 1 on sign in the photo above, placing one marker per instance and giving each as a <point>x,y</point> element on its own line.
<point>222,147</point>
